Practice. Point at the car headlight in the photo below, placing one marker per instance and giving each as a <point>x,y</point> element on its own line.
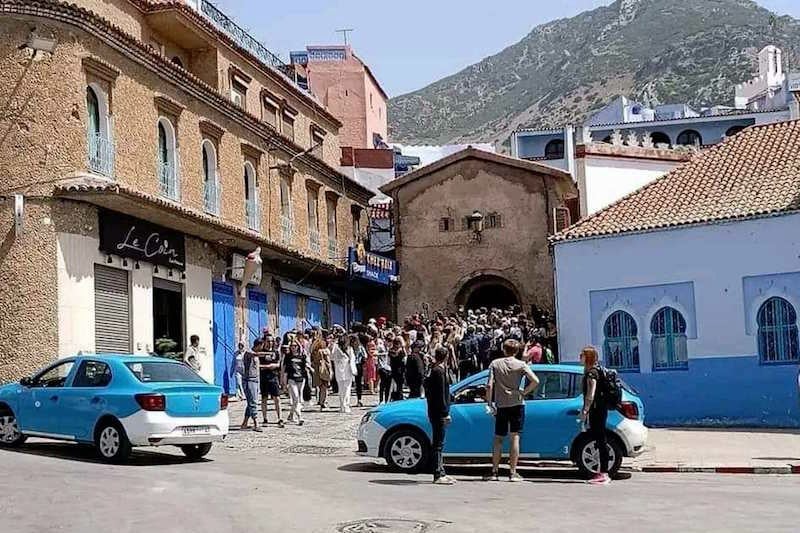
<point>366,418</point>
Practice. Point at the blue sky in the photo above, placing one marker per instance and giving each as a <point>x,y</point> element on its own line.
<point>412,43</point>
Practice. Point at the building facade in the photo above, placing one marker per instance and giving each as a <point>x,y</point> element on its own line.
<point>148,152</point>
<point>690,286</point>
<point>349,89</point>
<point>471,230</point>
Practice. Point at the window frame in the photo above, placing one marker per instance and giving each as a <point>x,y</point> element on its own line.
<point>630,342</point>
<point>671,336</point>
<point>790,328</point>
<point>572,391</point>
<point>85,363</point>
<point>36,381</point>
<point>689,132</point>
<point>172,183</point>
<point>551,153</point>
<point>250,177</point>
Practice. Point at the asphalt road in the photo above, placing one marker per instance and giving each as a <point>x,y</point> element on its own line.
<point>61,487</point>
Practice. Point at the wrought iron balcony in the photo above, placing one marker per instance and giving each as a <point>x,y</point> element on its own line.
<point>313,241</point>
<point>211,197</point>
<point>242,38</point>
<point>287,229</point>
<point>253,216</point>
<point>100,154</point>
<point>168,180</point>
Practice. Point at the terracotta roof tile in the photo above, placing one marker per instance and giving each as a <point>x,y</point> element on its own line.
<point>755,173</point>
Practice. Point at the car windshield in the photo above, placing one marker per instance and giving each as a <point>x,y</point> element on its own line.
<point>163,372</point>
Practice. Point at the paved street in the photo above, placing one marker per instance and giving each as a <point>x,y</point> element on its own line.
<point>307,480</point>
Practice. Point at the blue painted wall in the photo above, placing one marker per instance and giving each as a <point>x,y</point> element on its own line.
<point>721,391</point>
<point>533,146</point>
<point>712,132</point>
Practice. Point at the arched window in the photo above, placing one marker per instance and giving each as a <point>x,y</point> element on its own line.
<point>210,179</point>
<point>554,149</point>
<point>621,344</point>
<point>660,137</point>
<point>100,150</point>
<point>689,138</point>
<point>251,196</point>
<point>777,332</point>
<point>668,341</point>
<point>166,160</point>
<point>733,130</point>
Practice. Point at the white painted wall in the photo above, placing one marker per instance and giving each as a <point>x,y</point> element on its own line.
<point>716,257</point>
<point>604,180</point>
<point>77,256</point>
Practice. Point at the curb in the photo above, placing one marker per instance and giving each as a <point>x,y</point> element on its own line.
<point>788,469</point>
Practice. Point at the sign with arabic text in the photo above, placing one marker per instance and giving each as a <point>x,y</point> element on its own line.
<point>126,236</point>
<point>372,267</point>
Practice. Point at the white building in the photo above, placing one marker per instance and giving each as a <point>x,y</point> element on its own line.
<point>691,285</point>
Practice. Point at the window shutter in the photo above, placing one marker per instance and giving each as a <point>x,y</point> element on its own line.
<point>112,310</point>
<point>442,224</point>
<point>561,218</point>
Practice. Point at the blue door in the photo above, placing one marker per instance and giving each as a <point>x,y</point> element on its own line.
<point>224,335</point>
<point>337,315</point>
<point>84,400</point>
<point>257,317</point>
<point>551,416</point>
<point>314,312</point>
<point>472,428</point>
<point>40,404</point>
<point>287,319</point>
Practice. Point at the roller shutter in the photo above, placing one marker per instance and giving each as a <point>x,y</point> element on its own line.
<point>112,329</point>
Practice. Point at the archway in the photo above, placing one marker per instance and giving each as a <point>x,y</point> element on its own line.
<point>487,291</point>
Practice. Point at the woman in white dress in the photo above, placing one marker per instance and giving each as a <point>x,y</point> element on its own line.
<point>344,363</point>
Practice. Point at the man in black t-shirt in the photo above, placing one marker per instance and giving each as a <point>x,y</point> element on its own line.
<point>270,364</point>
<point>437,395</point>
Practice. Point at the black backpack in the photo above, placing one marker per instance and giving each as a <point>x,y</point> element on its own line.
<point>610,387</point>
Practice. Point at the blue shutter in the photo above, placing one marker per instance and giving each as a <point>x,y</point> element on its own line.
<point>287,319</point>
<point>257,316</point>
<point>314,312</point>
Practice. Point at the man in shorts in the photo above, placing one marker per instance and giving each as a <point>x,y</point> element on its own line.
<point>270,364</point>
<point>507,402</point>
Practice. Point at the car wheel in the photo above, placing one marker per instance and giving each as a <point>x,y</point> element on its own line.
<point>112,443</point>
<point>195,452</point>
<point>9,429</point>
<point>587,455</point>
<point>407,450</point>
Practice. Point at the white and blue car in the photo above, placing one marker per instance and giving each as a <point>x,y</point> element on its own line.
<point>116,402</point>
<point>400,432</point>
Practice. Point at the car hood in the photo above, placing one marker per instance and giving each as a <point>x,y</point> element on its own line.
<point>414,404</point>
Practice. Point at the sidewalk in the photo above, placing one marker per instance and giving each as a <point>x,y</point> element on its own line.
<point>730,451</point>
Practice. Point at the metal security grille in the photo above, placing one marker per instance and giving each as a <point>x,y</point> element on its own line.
<point>621,346</point>
<point>668,341</point>
<point>112,329</point>
<point>777,332</point>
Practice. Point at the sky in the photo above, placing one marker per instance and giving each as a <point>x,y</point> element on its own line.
<point>412,43</point>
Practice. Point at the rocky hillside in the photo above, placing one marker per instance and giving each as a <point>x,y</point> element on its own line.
<point>656,51</point>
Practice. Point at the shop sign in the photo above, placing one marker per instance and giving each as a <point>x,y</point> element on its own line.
<point>372,267</point>
<point>137,239</point>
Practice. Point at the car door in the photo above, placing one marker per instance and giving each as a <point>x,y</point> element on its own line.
<point>41,401</point>
<point>472,428</point>
<point>551,416</point>
<point>83,401</point>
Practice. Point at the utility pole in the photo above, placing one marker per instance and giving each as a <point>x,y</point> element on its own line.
<point>345,32</point>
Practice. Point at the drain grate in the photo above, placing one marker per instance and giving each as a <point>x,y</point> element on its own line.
<point>311,450</point>
<point>383,525</point>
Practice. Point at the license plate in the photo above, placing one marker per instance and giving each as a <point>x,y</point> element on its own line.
<point>197,430</point>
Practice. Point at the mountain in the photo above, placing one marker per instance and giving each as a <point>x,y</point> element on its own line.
<point>654,51</point>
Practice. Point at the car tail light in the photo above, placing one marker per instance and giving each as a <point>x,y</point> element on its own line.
<point>629,410</point>
<point>151,402</point>
<point>223,402</point>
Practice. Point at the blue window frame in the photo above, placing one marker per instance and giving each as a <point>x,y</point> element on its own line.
<point>621,344</point>
<point>668,341</point>
<point>777,332</point>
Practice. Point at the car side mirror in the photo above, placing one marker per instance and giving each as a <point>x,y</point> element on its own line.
<point>26,381</point>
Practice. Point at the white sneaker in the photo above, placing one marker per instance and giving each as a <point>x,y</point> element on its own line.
<point>444,480</point>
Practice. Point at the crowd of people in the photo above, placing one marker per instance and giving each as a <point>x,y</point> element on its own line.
<point>391,360</point>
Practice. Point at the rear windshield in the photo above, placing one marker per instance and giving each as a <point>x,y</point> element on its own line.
<point>163,372</point>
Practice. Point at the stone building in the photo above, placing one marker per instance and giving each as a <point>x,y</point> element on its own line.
<point>448,258</point>
<point>147,147</point>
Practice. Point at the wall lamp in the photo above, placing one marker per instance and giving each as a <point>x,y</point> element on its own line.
<point>38,43</point>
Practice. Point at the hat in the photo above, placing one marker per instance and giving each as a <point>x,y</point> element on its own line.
<point>371,321</point>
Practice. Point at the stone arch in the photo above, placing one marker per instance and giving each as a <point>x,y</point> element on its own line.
<point>487,290</point>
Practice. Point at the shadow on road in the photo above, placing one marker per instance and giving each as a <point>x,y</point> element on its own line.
<point>474,473</point>
<point>87,454</point>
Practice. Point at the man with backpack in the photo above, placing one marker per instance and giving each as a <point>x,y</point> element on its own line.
<point>601,392</point>
<point>468,354</point>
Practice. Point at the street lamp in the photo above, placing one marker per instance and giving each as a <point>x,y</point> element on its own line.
<point>476,221</point>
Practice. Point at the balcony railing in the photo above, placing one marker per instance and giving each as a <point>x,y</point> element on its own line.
<point>168,180</point>
<point>242,38</point>
<point>211,197</point>
<point>313,241</point>
<point>100,154</point>
<point>252,213</point>
<point>287,229</point>
<point>333,252</point>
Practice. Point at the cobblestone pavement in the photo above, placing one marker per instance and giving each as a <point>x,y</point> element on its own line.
<point>327,432</point>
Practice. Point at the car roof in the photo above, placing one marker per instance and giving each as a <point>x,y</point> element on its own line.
<point>569,368</point>
<point>125,358</point>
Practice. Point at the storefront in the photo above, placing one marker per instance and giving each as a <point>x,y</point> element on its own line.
<point>375,295</point>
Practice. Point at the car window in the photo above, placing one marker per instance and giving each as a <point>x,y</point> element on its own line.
<point>55,376</point>
<point>471,394</point>
<point>92,374</point>
<point>163,372</point>
<point>553,386</point>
